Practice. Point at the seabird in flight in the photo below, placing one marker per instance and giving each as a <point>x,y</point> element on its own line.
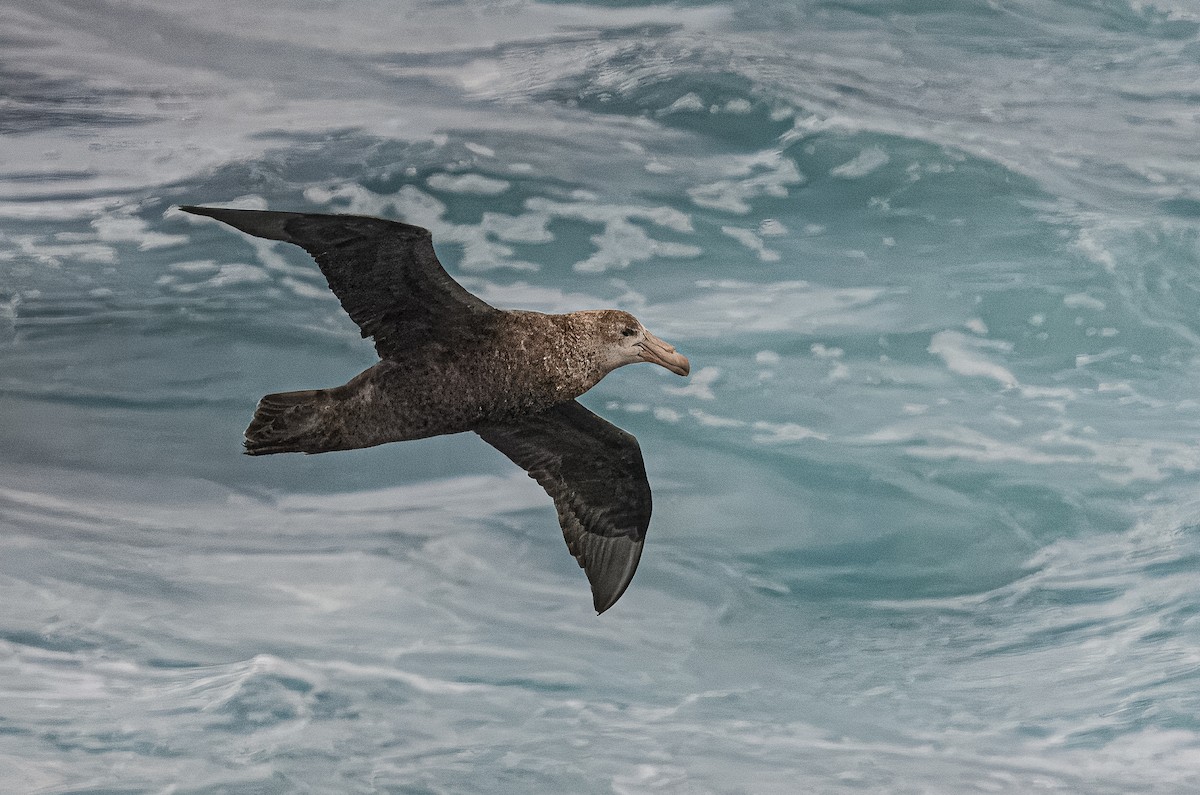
<point>450,362</point>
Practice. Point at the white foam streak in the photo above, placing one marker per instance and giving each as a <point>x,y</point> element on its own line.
<point>468,183</point>
<point>864,163</point>
<point>1083,301</point>
<point>620,244</point>
<point>962,355</point>
<point>751,240</point>
<point>699,384</point>
<point>771,174</point>
<point>734,307</point>
<point>1121,461</point>
<point>113,229</point>
<point>475,497</point>
<point>771,433</point>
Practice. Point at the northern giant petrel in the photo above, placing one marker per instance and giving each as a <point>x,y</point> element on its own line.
<point>451,362</point>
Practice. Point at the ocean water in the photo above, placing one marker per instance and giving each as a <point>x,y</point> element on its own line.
<point>927,510</point>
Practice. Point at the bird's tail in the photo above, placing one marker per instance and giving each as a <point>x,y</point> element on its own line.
<point>292,422</point>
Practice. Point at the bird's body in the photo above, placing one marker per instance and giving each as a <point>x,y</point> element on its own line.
<point>517,363</point>
<point>450,362</point>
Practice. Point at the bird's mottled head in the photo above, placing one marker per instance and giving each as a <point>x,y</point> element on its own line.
<point>626,341</point>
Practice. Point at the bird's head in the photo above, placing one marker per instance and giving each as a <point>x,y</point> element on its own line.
<point>625,340</point>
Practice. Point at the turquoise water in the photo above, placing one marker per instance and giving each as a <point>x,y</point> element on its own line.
<point>927,510</point>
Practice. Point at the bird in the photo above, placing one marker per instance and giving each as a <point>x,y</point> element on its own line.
<point>449,362</point>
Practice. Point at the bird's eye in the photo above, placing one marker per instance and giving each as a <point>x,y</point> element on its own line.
<point>628,332</point>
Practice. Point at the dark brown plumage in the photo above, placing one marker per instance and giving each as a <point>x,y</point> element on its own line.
<point>450,362</point>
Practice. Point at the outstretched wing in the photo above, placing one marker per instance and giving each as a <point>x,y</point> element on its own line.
<point>384,272</point>
<point>594,472</point>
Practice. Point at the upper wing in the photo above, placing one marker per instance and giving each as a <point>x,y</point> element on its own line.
<point>384,272</point>
<point>595,474</point>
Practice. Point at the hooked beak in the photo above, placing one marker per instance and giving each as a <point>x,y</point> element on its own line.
<point>661,353</point>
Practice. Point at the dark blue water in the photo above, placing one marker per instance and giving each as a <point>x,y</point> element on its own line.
<point>927,512</point>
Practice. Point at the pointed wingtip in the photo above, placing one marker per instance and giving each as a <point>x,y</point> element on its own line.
<point>601,607</point>
<point>610,568</point>
<point>195,209</point>
<point>260,223</point>
<point>603,599</point>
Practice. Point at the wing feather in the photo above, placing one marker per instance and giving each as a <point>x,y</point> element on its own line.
<point>385,273</point>
<point>594,472</point>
